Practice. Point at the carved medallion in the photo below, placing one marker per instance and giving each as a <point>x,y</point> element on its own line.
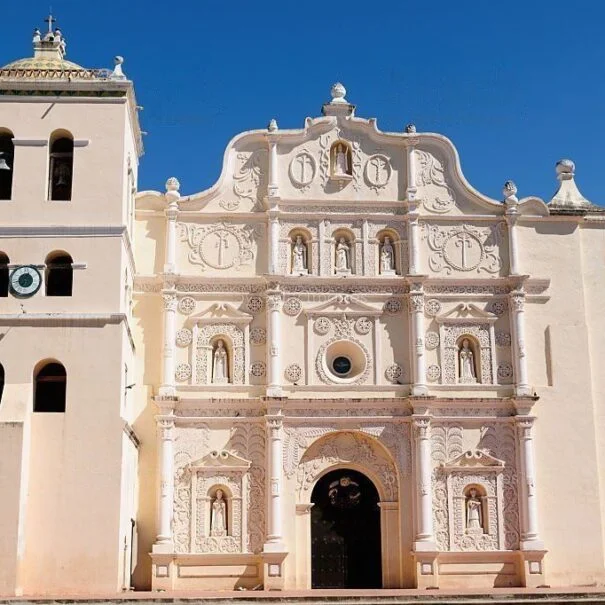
<point>431,340</point>
<point>433,372</point>
<point>378,171</point>
<point>505,371</point>
<point>463,251</point>
<point>184,337</point>
<point>392,306</point>
<point>503,339</point>
<point>187,305</point>
<point>257,369</point>
<point>254,304</point>
<point>183,372</point>
<point>302,170</point>
<point>322,325</point>
<point>292,306</point>
<point>393,373</point>
<point>432,307</point>
<point>258,336</point>
<point>363,325</point>
<point>293,372</point>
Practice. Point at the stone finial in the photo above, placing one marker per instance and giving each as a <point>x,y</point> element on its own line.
<point>172,184</point>
<point>37,36</point>
<point>118,73</point>
<point>338,106</point>
<point>410,128</point>
<point>338,93</point>
<point>566,170</point>
<point>568,195</point>
<point>272,126</point>
<point>509,191</point>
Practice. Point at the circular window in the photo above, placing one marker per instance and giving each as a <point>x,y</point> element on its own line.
<point>342,365</point>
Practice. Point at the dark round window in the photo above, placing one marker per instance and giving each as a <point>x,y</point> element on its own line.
<point>341,365</point>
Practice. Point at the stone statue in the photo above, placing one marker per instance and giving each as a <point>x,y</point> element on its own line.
<point>342,255</point>
<point>218,523</point>
<point>341,165</point>
<point>299,256</point>
<point>387,257</point>
<point>467,363</point>
<point>474,515</point>
<point>220,365</point>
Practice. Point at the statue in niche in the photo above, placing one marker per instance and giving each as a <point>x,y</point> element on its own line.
<point>342,256</point>
<point>340,161</point>
<point>467,362</point>
<point>474,513</point>
<point>220,364</point>
<point>299,256</point>
<point>387,257</point>
<point>218,522</point>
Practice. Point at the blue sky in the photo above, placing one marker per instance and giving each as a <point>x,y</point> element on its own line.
<point>516,85</point>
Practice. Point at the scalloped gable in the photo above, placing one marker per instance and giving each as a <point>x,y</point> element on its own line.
<point>379,171</point>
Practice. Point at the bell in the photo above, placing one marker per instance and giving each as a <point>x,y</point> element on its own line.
<point>3,164</point>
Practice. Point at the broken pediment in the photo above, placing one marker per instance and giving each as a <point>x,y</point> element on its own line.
<point>474,460</point>
<point>464,312</point>
<point>221,459</point>
<point>343,304</point>
<point>220,312</point>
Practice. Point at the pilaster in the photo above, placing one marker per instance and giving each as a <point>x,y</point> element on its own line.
<point>274,374</point>
<point>416,305</point>
<point>517,317</point>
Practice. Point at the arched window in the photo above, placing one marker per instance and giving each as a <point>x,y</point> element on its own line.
<point>1,381</point>
<point>59,274</point>
<point>50,388</point>
<point>60,174</point>
<point>4,274</point>
<point>7,155</point>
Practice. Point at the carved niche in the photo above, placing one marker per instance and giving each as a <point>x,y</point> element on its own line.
<point>480,472</point>
<point>228,472</point>
<point>221,322</point>
<point>464,248</point>
<point>466,320</point>
<point>222,245</point>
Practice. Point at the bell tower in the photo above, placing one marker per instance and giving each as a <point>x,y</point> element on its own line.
<point>70,142</point>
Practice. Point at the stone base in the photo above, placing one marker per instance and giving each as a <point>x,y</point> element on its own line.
<point>211,571</point>
<point>343,272</point>
<point>273,570</point>
<point>388,273</point>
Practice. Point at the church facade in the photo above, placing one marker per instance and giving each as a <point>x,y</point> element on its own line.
<point>341,366</point>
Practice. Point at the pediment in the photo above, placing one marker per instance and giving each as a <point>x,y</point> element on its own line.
<point>221,459</point>
<point>343,304</point>
<point>474,460</point>
<point>464,312</point>
<point>220,312</point>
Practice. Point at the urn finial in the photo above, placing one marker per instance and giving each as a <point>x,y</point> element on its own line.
<point>272,126</point>
<point>338,93</point>
<point>410,128</point>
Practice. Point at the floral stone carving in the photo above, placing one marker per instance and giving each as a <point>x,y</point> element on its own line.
<point>257,369</point>
<point>322,325</point>
<point>292,306</point>
<point>431,340</point>
<point>183,372</point>
<point>184,337</point>
<point>187,305</point>
<point>254,304</point>
<point>433,372</point>
<point>432,307</point>
<point>258,336</point>
<point>393,373</point>
<point>293,372</point>
<point>437,195</point>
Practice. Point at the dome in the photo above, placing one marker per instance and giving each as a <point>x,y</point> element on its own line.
<point>41,64</point>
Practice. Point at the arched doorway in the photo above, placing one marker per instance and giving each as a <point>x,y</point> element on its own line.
<point>345,532</point>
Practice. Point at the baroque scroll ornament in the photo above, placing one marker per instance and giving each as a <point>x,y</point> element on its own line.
<point>464,248</point>
<point>437,195</point>
<point>249,181</point>
<point>221,245</point>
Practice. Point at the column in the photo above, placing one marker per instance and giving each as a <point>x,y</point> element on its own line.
<point>413,214</point>
<point>416,302</point>
<point>164,541</point>
<point>530,539</point>
<point>425,540</point>
<point>324,269</point>
<point>273,244</point>
<point>365,234</point>
<point>170,305</point>
<point>273,186</point>
<point>172,197</point>
<point>511,221</point>
<point>517,316</point>
<point>274,542</point>
<point>274,373</point>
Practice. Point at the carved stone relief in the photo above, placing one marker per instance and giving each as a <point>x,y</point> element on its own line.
<point>450,334</point>
<point>258,336</point>
<point>221,245</point>
<point>303,169</point>
<point>465,248</point>
<point>250,180</point>
<point>437,195</point>
<point>378,172</point>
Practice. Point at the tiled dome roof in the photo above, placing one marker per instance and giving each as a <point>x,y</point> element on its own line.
<point>42,64</point>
